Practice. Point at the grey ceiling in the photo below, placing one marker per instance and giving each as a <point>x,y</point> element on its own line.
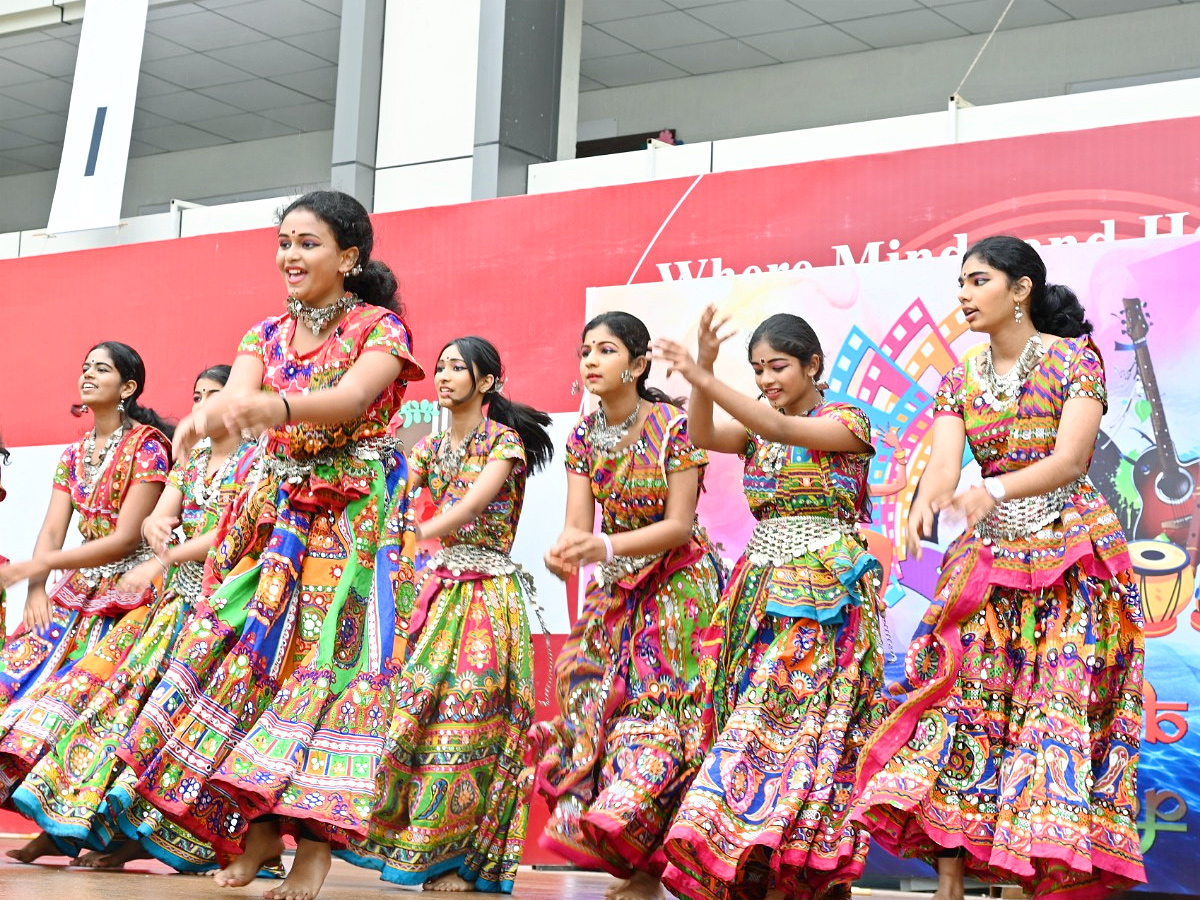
<point>220,71</point>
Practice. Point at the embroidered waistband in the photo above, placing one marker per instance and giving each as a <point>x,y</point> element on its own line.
<point>93,575</point>
<point>293,470</point>
<point>1012,519</point>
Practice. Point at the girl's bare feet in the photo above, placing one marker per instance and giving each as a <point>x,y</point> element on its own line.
<point>642,886</point>
<point>451,881</point>
<point>40,846</point>
<point>263,843</point>
<point>950,878</point>
<point>126,851</point>
<point>308,872</point>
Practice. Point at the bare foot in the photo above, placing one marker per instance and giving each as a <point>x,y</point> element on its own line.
<point>263,843</point>
<point>642,886</point>
<point>308,872</point>
<point>451,881</point>
<point>40,846</point>
<point>126,851</point>
<point>950,879</point>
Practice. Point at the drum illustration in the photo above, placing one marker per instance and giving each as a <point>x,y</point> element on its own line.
<point>1166,580</point>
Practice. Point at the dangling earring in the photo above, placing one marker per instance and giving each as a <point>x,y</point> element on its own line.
<point>83,407</point>
<point>575,388</point>
<point>1018,313</point>
<point>626,377</point>
<point>120,407</point>
<point>357,270</point>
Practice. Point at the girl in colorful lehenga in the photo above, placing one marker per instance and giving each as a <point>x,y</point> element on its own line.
<point>112,478</point>
<point>631,681</point>
<point>65,791</point>
<point>1013,754</point>
<point>272,714</point>
<point>451,810</point>
<point>798,683</point>
<point>5,458</point>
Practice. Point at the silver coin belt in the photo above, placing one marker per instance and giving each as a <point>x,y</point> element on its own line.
<point>612,571</point>
<point>188,581</point>
<point>1012,519</point>
<point>778,541</point>
<point>295,471</point>
<point>459,558</point>
<point>93,575</point>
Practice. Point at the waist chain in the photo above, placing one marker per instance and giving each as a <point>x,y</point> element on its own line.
<point>379,448</point>
<point>93,575</point>
<point>1012,519</point>
<point>778,541</point>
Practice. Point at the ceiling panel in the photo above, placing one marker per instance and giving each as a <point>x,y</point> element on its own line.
<point>53,58</point>
<point>204,31</point>
<point>280,18</point>
<point>187,106</point>
<point>606,10</point>
<point>845,10</point>
<point>743,17</point>
<point>1082,9</point>
<point>247,127</point>
<point>48,128</point>
<point>595,43</point>
<point>320,84</point>
<point>48,95</point>
<point>980,15</point>
<point>266,59</point>
<point>670,29</point>
<point>179,137</point>
<point>305,117</point>
<point>897,29</point>
<point>257,95</point>
<point>806,43</point>
<point>717,56</point>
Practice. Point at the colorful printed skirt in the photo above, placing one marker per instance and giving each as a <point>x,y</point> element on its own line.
<point>1018,739</point>
<point>794,701</point>
<point>632,683</point>
<point>450,798</point>
<point>278,696</point>
<point>49,676</point>
<point>66,792</point>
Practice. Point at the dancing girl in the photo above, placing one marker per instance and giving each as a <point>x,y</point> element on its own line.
<point>631,679</point>
<point>797,689</point>
<point>1013,754</point>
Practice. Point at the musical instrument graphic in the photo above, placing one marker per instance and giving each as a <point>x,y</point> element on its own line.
<point>1166,580</point>
<point>1166,485</point>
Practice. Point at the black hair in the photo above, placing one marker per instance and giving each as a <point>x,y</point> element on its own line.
<point>633,333</point>
<point>1054,308</point>
<point>791,335</point>
<point>482,358</point>
<point>351,226</point>
<point>219,374</point>
<point>131,368</point>
<point>5,456</point>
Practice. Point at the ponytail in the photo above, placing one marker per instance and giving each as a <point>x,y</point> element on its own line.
<point>527,422</point>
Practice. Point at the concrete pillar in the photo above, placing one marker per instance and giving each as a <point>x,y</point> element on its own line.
<point>356,113</point>
<point>469,98</point>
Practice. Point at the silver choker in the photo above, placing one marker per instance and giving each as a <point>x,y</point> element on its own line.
<point>319,318</point>
<point>1000,391</point>
<point>604,436</point>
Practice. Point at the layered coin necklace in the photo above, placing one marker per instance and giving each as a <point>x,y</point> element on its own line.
<point>605,437</point>
<point>1000,391</point>
<point>91,471</point>
<point>318,318</point>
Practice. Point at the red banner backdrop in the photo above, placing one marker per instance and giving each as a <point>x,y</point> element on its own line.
<point>516,269</point>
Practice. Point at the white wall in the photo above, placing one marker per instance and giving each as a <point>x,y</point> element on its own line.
<point>1023,63</point>
<point>243,171</point>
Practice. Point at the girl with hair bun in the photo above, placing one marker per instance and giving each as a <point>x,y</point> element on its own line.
<point>799,676</point>
<point>465,697</point>
<point>631,678</point>
<point>112,478</point>
<point>272,714</point>
<point>1012,755</point>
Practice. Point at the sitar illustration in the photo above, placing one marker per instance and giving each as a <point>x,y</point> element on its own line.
<point>1167,486</point>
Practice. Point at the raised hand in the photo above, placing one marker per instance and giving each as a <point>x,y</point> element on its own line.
<point>709,337</point>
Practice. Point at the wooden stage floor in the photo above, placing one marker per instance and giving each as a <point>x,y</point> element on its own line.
<point>146,880</point>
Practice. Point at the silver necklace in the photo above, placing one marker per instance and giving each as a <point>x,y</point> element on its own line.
<point>318,318</point>
<point>449,460</point>
<point>776,454</point>
<point>205,490</point>
<point>604,436</point>
<point>92,472</point>
<point>1000,391</point>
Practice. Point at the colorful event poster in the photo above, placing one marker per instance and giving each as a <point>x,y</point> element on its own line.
<point>890,331</point>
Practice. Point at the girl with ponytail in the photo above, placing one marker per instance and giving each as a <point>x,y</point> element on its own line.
<point>1027,668</point>
<point>468,678</point>
<point>112,478</point>
<point>630,679</point>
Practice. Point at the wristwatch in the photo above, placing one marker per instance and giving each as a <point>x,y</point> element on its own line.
<point>995,488</point>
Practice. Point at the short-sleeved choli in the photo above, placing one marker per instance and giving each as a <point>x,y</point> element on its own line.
<point>496,526</point>
<point>364,329</point>
<point>631,484</point>
<point>141,457</point>
<point>810,482</point>
<point>190,474</point>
